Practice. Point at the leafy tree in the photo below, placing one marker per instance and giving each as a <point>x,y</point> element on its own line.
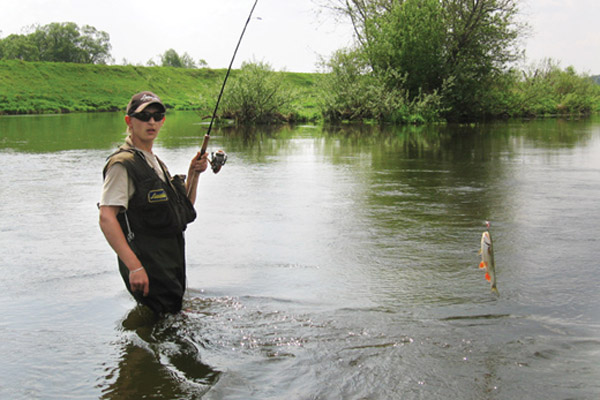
<point>18,47</point>
<point>409,39</point>
<point>429,44</point>
<point>95,46</point>
<point>170,58</point>
<point>57,42</point>
<point>359,12</point>
<point>482,41</point>
<point>62,42</point>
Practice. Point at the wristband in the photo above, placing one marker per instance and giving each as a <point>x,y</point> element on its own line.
<point>136,270</point>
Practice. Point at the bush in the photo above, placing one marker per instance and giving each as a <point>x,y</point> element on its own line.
<point>548,90</point>
<point>351,92</point>
<point>258,95</point>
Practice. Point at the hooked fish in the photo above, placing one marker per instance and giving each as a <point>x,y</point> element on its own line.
<point>487,259</point>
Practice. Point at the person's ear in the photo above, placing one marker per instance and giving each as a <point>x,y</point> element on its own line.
<point>128,120</point>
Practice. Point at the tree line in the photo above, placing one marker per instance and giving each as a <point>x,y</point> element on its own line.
<point>413,61</point>
<point>62,42</point>
<point>68,42</point>
<point>429,60</point>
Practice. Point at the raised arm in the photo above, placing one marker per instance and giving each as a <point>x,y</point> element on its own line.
<point>197,166</point>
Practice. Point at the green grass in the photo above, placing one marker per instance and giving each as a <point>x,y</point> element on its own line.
<point>47,87</point>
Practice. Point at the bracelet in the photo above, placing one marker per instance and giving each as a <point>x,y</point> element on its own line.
<point>136,270</point>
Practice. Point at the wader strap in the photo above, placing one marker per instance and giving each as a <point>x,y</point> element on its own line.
<point>130,235</point>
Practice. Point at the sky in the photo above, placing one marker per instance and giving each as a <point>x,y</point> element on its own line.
<point>290,35</point>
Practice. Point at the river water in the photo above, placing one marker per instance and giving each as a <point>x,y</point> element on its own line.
<point>326,263</point>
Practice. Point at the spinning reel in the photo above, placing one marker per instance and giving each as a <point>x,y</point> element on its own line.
<point>217,160</point>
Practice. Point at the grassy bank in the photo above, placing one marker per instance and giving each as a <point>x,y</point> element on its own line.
<point>46,87</point>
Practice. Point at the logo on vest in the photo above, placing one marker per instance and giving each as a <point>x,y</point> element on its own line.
<point>157,196</point>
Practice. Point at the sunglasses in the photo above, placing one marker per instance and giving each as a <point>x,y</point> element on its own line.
<point>145,116</point>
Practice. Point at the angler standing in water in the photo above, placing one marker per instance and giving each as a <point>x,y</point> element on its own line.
<point>144,210</point>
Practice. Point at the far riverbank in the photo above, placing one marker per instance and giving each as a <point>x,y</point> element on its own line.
<point>49,87</point>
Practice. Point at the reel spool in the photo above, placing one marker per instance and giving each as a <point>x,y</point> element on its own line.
<point>217,160</point>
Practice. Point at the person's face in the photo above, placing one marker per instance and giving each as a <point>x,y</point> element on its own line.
<point>144,131</point>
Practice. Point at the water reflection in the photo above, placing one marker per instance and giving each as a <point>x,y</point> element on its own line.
<point>47,133</point>
<point>50,133</point>
<point>157,351</point>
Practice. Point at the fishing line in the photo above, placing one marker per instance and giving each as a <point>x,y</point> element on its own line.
<point>219,158</point>
<point>207,136</point>
<point>229,69</point>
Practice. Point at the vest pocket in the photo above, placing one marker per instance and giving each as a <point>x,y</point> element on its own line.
<point>156,208</point>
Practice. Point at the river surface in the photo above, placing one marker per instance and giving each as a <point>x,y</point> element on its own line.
<point>326,263</point>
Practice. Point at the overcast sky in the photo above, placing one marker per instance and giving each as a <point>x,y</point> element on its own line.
<point>290,34</point>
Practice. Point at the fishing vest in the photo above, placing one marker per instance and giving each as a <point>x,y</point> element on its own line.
<point>157,208</point>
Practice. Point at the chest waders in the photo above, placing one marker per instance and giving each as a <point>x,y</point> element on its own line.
<point>164,261</point>
<point>153,224</point>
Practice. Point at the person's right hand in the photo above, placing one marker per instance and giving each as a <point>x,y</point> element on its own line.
<point>138,281</point>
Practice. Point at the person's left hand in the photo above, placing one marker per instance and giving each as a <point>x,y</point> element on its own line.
<point>199,163</point>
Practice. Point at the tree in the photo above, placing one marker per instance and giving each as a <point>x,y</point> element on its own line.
<point>18,47</point>
<point>429,44</point>
<point>359,12</point>
<point>62,42</point>
<point>95,46</point>
<point>482,41</point>
<point>170,58</point>
<point>409,38</point>
<point>57,42</point>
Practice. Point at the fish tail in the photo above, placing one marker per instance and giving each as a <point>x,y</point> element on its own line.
<point>495,290</point>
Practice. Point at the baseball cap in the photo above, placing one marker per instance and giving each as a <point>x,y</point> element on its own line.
<point>142,100</point>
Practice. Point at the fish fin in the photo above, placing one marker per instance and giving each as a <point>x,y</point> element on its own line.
<point>488,277</point>
<point>479,252</point>
<point>482,265</point>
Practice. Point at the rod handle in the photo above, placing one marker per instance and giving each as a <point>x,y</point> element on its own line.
<point>204,145</point>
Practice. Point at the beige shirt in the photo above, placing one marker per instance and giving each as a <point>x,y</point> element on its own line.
<point>118,188</point>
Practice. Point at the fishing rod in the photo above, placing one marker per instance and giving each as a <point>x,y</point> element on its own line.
<point>218,159</point>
